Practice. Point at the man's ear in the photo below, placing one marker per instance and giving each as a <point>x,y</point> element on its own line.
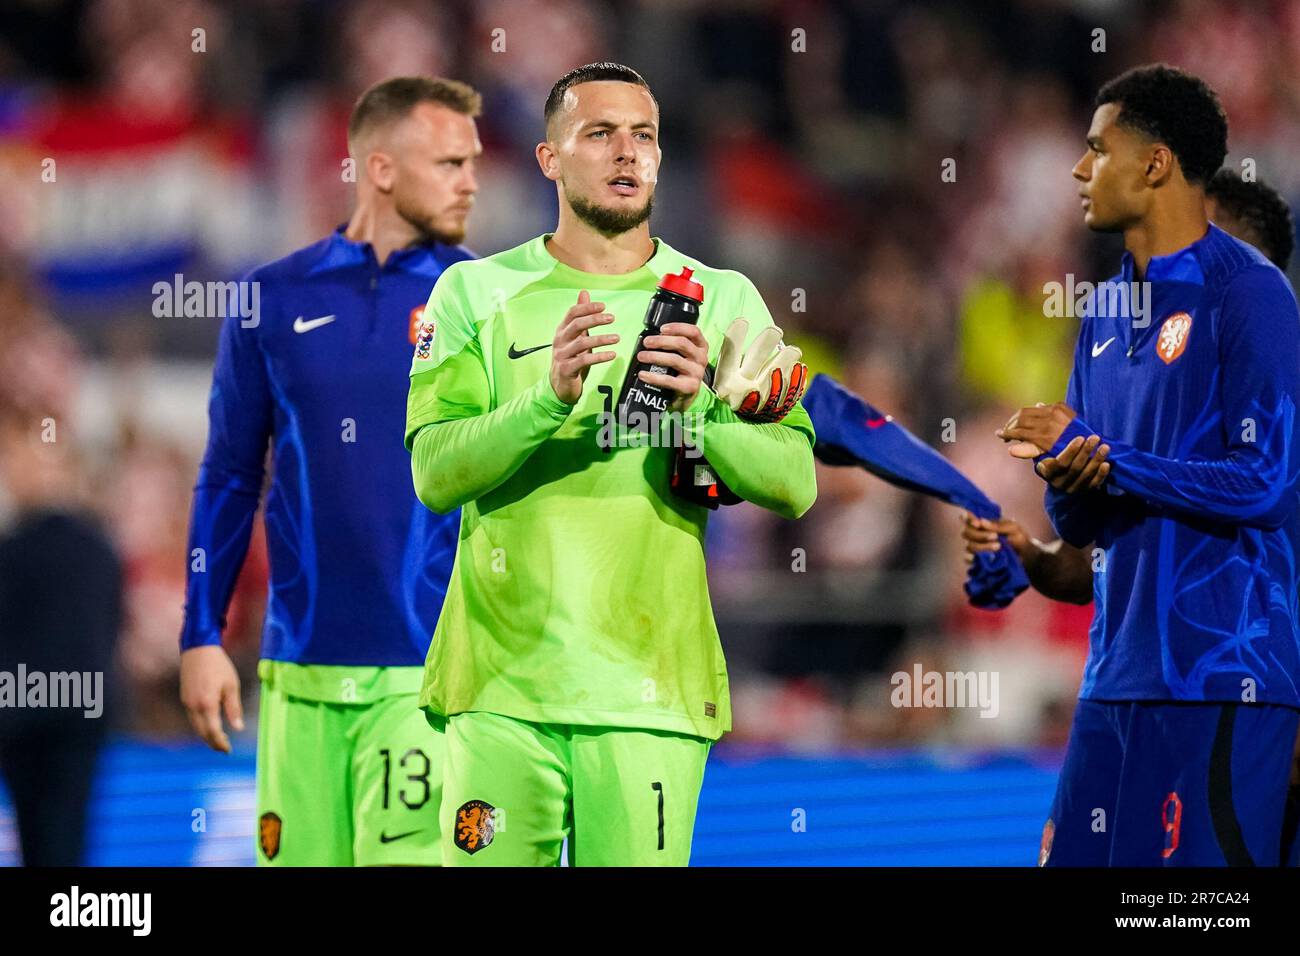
<point>1160,164</point>
<point>381,170</point>
<point>548,161</point>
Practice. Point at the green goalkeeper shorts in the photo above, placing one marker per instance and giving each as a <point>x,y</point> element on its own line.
<point>513,791</point>
<point>347,784</point>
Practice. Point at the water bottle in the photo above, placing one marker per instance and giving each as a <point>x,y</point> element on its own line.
<point>677,299</point>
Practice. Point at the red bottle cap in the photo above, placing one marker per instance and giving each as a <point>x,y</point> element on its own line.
<point>683,285</point>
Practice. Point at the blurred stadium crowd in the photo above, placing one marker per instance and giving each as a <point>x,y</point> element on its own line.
<point>140,139</point>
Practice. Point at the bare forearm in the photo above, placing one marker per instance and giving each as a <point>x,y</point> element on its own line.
<point>1059,570</point>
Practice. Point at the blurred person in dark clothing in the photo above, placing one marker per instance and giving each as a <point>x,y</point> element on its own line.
<point>60,613</point>
<point>1254,212</point>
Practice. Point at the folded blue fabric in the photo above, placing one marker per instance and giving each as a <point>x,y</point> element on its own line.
<point>850,431</point>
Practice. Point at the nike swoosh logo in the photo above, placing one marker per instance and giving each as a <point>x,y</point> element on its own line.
<point>1098,349</point>
<point>516,353</point>
<point>385,838</point>
<point>300,326</point>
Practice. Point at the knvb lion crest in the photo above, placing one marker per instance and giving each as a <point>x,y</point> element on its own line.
<point>474,825</point>
<point>1045,845</point>
<point>268,834</point>
<point>1173,336</point>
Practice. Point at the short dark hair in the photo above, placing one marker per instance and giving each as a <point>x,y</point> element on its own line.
<point>1176,108</point>
<point>1260,209</point>
<point>591,73</point>
<point>394,99</point>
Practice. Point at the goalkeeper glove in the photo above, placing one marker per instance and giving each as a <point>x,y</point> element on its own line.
<point>761,383</point>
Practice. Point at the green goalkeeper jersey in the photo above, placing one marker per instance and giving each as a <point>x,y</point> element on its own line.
<point>578,593</point>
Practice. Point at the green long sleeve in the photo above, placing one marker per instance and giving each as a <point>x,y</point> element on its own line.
<point>460,460</point>
<point>770,465</point>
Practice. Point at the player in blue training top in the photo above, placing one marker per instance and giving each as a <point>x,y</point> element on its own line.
<point>1185,383</point>
<point>1250,210</point>
<point>348,770</point>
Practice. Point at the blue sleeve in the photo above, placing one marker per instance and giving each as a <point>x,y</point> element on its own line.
<point>240,415</point>
<point>1259,363</point>
<point>1078,517</point>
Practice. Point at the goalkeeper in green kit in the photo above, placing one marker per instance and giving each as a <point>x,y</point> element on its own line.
<point>576,666</point>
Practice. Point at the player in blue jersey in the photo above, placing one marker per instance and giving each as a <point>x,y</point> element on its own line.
<point>1250,210</point>
<point>1184,739</point>
<point>348,772</point>
<point>1184,390</point>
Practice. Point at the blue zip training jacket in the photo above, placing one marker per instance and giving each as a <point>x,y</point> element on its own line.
<point>359,566</point>
<point>1198,519</point>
